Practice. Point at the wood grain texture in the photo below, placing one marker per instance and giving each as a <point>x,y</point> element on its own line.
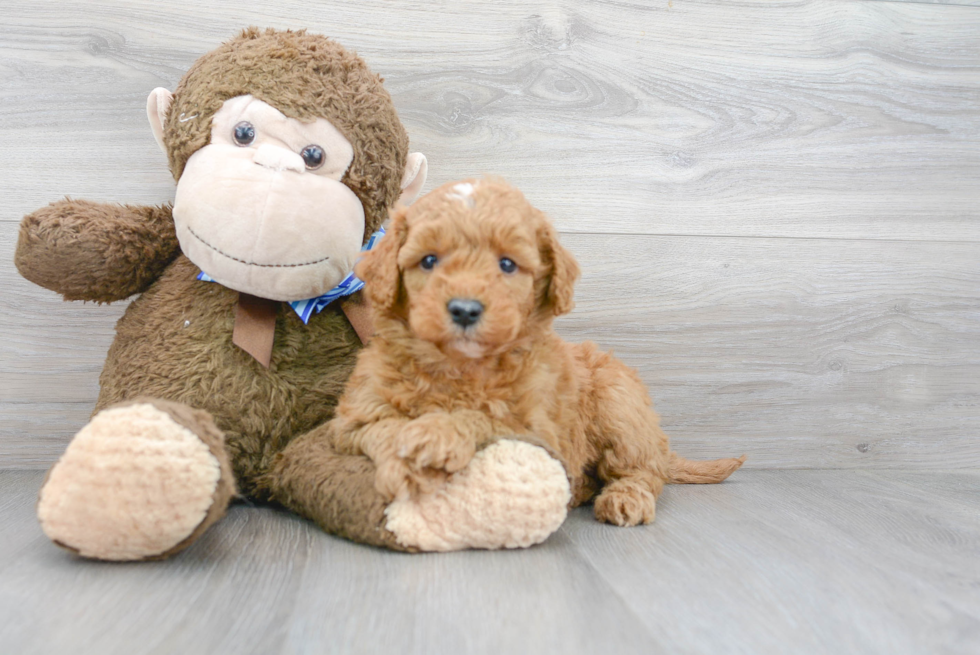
<point>888,551</point>
<point>799,353</point>
<point>775,203</point>
<point>844,119</point>
<point>769,562</point>
<point>967,3</point>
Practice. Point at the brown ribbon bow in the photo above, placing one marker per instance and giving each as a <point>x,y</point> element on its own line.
<point>255,323</point>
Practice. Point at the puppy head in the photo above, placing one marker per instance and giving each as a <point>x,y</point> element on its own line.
<point>472,268</point>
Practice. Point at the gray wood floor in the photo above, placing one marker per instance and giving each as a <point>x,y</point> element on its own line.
<point>770,562</point>
<point>776,206</point>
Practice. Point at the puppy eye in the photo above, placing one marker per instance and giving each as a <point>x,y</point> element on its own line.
<point>244,133</point>
<point>428,262</point>
<point>313,156</point>
<point>507,265</point>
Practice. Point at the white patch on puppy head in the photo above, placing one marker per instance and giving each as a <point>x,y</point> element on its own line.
<point>463,193</point>
<point>465,189</point>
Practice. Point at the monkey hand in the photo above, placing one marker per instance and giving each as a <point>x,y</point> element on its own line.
<point>95,251</point>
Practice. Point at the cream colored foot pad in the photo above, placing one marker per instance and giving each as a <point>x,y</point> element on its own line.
<point>132,484</point>
<point>512,495</point>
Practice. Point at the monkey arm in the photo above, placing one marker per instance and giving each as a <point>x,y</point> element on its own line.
<point>95,251</point>
<point>336,491</point>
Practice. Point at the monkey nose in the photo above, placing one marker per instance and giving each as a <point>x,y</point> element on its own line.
<point>278,159</point>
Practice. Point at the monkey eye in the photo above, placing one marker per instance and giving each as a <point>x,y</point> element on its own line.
<point>507,265</point>
<point>428,262</point>
<point>313,156</point>
<point>244,133</point>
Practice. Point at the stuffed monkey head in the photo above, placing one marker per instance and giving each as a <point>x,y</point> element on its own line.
<point>287,152</point>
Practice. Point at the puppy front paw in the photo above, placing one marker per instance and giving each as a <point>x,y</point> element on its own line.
<point>433,442</point>
<point>422,455</point>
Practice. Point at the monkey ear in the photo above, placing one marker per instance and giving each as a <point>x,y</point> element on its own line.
<point>157,106</point>
<point>564,272</point>
<point>379,266</point>
<point>414,177</point>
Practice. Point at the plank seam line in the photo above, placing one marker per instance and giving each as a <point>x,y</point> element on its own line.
<point>758,236</point>
<point>588,561</point>
<point>943,3</point>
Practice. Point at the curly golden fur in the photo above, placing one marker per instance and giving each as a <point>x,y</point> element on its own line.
<point>429,391</point>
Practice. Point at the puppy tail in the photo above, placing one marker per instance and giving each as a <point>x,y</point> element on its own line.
<point>689,471</point>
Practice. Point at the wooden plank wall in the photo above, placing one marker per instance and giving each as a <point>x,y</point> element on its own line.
<point>776,205</point>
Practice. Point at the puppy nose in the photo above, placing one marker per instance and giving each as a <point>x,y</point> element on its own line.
<point>465,311</point>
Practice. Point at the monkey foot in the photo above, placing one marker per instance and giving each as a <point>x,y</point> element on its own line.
<point>138,482</point>
<point>511,495</point>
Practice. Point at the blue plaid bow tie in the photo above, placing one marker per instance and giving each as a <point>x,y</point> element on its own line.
<point>350,284</point>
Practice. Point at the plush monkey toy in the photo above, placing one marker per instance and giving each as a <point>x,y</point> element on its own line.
<point>288,153</point>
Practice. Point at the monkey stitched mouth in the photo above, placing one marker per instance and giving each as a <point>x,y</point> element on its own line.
<point>242,261</point>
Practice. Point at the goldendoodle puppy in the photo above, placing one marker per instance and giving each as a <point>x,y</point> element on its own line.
<point>464,289</point>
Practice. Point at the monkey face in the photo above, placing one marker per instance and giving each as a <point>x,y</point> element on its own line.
<point>262,208</point>
<point>288,153</point>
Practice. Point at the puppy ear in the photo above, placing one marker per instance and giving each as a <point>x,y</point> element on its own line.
<point>379,266</point>
<point>564,272</point>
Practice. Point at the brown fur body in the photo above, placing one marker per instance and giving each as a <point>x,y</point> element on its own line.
<point>426,393</point>
<point>174,341</point>
<point>173,346</point>
<point>180,320</point>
